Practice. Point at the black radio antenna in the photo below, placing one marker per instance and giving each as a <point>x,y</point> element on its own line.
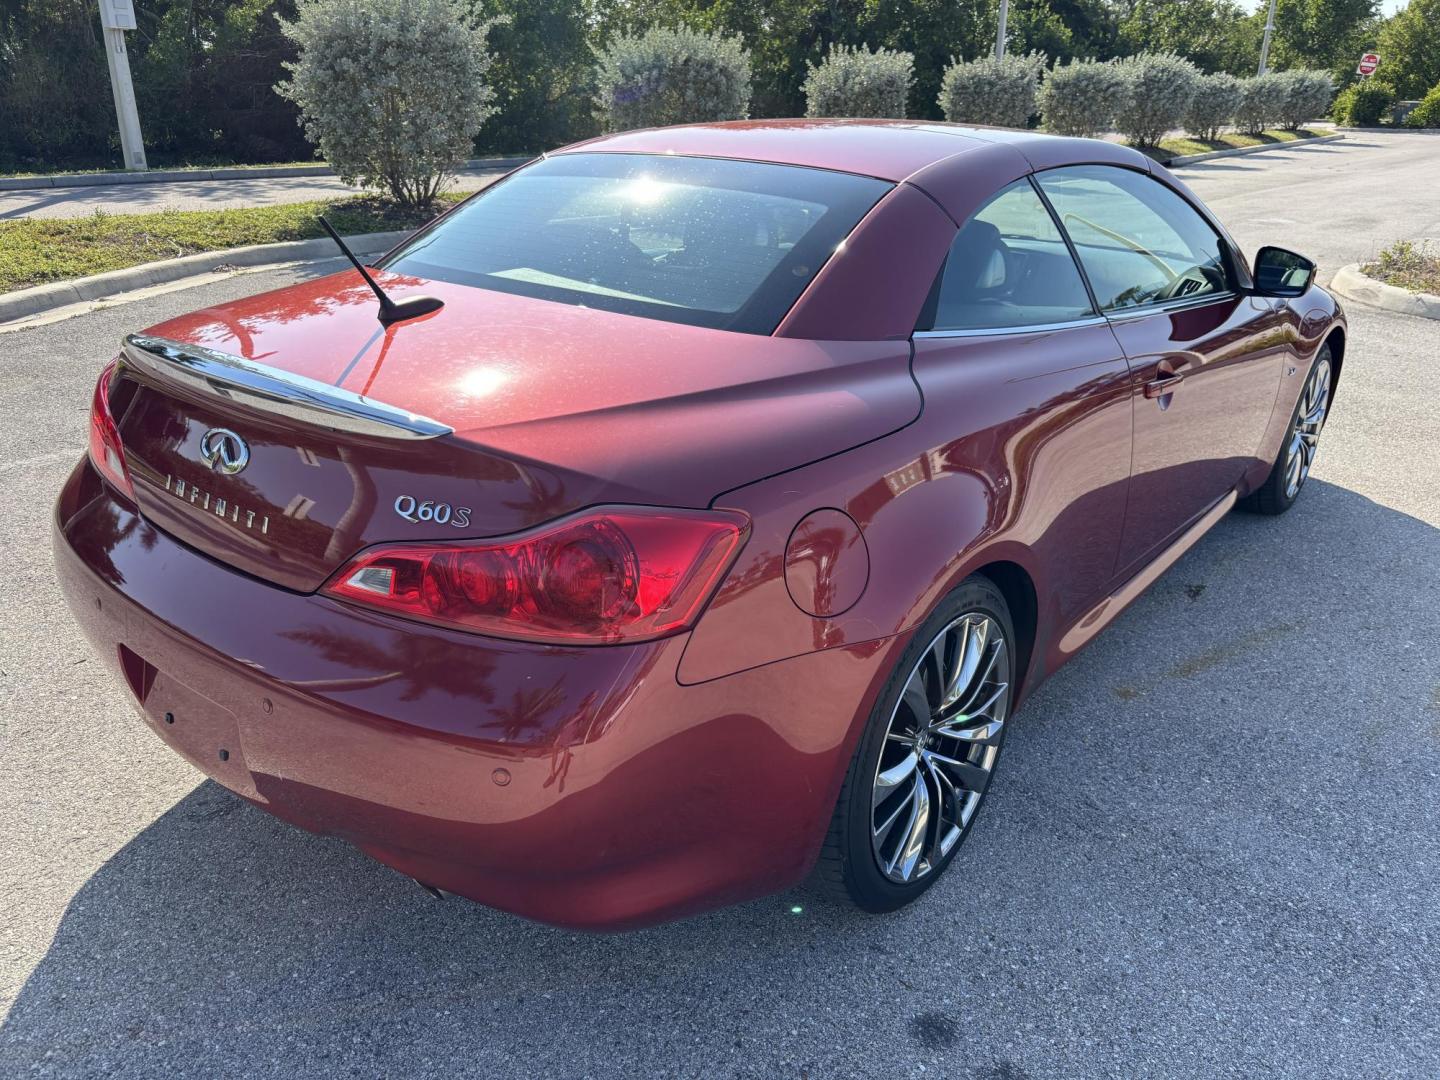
<point>391,311</point>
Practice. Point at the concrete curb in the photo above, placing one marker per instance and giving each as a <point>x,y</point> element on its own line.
<point>1350,283</point>
<point>169,176</point>
<point>25,303</point>
<point>1191,159</point>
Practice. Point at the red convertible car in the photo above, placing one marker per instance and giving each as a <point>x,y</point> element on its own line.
<point>689,511</point>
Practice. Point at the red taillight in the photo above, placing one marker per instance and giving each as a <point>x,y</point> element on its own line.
<point>608,575</point>
<point>106,453</point>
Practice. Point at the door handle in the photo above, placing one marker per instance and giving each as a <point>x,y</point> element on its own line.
<point>1166,384</point>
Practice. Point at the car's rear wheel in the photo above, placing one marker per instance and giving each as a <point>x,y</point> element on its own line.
<point>1297,454</point>
<point>926,758</point>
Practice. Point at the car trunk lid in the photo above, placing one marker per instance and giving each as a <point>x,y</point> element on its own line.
<point>490,416</point>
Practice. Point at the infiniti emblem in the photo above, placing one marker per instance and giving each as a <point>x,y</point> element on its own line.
<point>224,451</point>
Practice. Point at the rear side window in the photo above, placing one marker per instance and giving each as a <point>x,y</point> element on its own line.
<point>1140,242</point>
<point>1009,266</point>
<point>725,244</point>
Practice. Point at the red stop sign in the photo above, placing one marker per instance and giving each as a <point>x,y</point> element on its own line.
<point>1368,63</point>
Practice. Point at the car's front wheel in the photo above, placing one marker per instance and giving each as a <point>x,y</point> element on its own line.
<point>926,758</point>
<point>1297,454</point>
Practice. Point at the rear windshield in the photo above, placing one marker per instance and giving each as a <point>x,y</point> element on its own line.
<point>725,244</point>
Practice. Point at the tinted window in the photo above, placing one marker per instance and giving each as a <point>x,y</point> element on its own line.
<point>728,244</point>
<point>1008,266</point>
<point>1139,242</point>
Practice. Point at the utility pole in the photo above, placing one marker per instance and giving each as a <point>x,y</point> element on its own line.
<point>1265,44</point>
<point>1000,33</point>
<point>117,16</point>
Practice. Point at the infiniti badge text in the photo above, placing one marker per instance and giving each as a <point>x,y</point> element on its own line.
<point>222,508</point>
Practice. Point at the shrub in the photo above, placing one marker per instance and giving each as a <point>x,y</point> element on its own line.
<point>1307,96</point>
<point>1407,265</point>
<point>391,91</point>
<point>1080,98</point>
<point>672,76</point>
<point>1262,103</point>
<point>1158,89</point>
<point>989,91</point>
<point>858,82</point>
<point>1363,104</point>
<point>1217,97</point>
<point>1427,113</point>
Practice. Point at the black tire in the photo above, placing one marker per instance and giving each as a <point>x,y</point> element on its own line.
<point>849,868</point>
<point>1273,495</point>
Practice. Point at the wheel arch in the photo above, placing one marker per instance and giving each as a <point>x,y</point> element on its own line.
<point>1336,340</point>
<point>1018,589</point>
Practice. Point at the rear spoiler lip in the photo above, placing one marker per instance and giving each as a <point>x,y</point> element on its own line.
<point>274,391</point>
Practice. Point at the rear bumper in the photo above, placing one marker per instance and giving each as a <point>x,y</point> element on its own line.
<point>581,787</point>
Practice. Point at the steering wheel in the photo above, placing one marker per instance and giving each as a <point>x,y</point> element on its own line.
<point>1191,282</point>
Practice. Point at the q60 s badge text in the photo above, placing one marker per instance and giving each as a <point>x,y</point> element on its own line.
<point>418,512</point>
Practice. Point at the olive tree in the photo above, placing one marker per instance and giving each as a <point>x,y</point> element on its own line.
<point>858,82</point>
<point>1081,97</point>
<point>392,92</point>
<point>1262,103</point>
<point>672,76</point>
<point>1307,96</point>
<point>990,91</point>
<point>1213,106</point>
<point>1157,90</point>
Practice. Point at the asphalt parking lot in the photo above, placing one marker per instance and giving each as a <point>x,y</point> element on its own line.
<point>1212,848</point>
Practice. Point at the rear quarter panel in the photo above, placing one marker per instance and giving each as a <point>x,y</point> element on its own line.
<point>1021,455</point>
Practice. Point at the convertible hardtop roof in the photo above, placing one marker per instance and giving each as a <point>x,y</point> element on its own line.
<point>892,150</point>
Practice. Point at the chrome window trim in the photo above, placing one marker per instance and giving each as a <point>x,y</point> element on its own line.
<point>996,331</point>
<point>271,390</point>
<point>1156,307</point>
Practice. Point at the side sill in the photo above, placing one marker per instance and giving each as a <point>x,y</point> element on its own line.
<point>1105,612</point>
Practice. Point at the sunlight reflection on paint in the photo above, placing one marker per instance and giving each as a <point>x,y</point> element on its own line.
<point>482,382</point>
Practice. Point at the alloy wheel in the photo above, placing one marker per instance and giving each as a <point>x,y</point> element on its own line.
<point>1305,436</point>
<point>940,747</point>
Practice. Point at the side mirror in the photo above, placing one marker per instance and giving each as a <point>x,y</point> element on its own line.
<point>1282,273</point>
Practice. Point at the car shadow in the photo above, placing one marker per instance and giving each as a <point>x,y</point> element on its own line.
<point>1183,764</point>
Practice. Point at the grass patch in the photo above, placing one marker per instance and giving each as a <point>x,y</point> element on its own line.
<point>36,251</point>
<point>1407,265</point>
<point>1184,146</point>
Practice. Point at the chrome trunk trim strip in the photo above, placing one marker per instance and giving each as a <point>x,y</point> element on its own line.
<point>270,390</point>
